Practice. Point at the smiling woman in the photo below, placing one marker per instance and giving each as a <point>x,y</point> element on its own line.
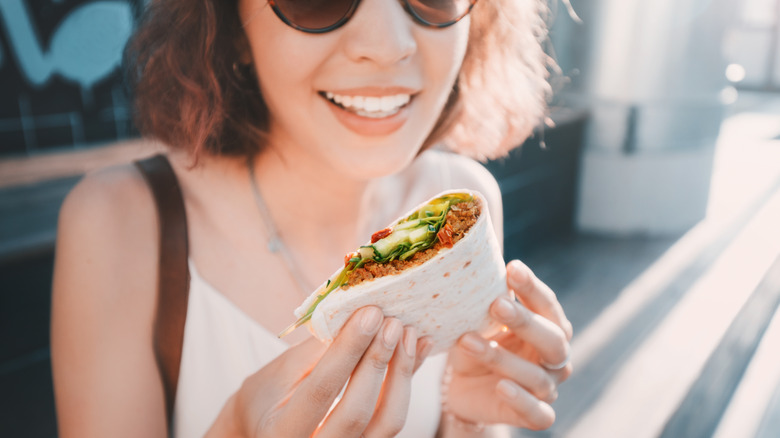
<point>172,77</point>
<point>294,129</point>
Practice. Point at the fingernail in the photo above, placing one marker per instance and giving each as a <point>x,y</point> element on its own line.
<point>517,273</point>
<point>392,333</point>
<point>507,388</point>
<point>410,341</point>
<point>371,319</point>
<point>472,344</point>
<point>505,309</point>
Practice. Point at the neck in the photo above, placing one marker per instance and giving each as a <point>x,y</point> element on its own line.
<point>315,209</point>
<point>307,191</point>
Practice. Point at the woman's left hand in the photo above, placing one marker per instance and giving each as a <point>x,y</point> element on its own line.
<point>513,377</point>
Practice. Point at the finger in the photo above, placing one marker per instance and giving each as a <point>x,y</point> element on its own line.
<point>424,347</point>
<point>390,415</point>
<point>356,407</point>
<point>315,395</point>
<point>537,295</point>
<point>562,374</point>
<point>532,377</point>
<point>546,337</point>
<point>522,409</point>
<point>290,367</point>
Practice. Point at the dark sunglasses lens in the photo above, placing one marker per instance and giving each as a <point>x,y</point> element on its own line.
<point>440,12</point>
<point>314,15</point>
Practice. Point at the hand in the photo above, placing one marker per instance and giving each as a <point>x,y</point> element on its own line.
<point>504,379</point>
<point>292,395</point>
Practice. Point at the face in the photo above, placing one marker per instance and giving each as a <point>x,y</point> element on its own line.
<point>360,99</point>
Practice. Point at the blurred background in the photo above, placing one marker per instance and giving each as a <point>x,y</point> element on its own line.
<point>650,203</point>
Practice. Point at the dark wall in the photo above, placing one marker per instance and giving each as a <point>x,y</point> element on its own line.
<point>26,394</point>
<point>539,185</point>
<point>60,78</point>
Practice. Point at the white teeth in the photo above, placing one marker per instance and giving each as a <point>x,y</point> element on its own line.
<point>387,103</point>
<point>370,106</point>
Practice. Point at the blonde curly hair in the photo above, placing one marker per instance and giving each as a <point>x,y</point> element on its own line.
<point>502,90</point>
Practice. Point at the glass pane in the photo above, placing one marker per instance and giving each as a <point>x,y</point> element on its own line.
<point>758,13</point>
<point>750,49</point>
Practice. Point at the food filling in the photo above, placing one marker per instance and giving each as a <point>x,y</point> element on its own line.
<point>412,241</point>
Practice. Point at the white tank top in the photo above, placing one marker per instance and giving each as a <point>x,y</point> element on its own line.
<point>223,346</point>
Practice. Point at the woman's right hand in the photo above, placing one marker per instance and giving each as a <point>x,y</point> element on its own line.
<point>292,396</point>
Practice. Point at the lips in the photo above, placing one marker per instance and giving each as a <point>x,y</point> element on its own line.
<point>370,111</point>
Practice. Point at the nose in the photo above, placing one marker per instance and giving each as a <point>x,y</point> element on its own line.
<point>380,32</point>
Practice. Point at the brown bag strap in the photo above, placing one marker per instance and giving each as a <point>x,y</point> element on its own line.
<point>173,276</point>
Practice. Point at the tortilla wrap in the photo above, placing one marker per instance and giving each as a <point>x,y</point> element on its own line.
<point>443,297</point>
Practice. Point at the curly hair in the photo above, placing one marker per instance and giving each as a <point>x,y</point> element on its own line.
<point>179,67</point>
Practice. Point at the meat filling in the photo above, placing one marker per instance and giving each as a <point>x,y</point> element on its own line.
<point>461,218</point>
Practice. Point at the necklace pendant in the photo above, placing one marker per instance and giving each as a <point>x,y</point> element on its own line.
<point>274,245</point>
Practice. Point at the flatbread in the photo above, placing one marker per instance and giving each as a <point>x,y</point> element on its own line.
<point>443,298</point>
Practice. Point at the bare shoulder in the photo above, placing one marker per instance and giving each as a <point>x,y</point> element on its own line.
<point>109,218</point>
<point>107,189</point>
<point>103,301</point>
<point>461,172</point>
<point>106,249</point>
<point>100,189</point>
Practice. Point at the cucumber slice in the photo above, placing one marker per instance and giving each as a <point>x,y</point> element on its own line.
<point>407,254</point>
<point>366,252</point>
<point>407,225</point>
<point>385,246</point>
<point>418,235</point>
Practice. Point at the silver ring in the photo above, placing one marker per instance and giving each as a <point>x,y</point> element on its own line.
<point>557,366</point>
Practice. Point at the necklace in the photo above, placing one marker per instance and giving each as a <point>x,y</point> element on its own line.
<point>275,243</point>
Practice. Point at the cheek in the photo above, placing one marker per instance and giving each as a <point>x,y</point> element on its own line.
<point>447,46</point>
<point>285,72</point>
<point>285,60</point>
<point>443,53</point>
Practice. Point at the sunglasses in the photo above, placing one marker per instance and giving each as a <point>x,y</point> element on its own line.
<point>320,16</point>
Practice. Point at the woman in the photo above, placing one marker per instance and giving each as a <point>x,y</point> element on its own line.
<point>328,110</point>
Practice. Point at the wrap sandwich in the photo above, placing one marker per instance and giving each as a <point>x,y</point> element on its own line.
<point>437,268</point>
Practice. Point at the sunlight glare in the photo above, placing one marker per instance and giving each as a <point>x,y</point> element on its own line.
<point>735,73</point>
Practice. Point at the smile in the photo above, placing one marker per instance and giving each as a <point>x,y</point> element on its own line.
<point>374,107</point>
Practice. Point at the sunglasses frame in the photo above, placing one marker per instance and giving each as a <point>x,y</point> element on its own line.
<point>351,11</point>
